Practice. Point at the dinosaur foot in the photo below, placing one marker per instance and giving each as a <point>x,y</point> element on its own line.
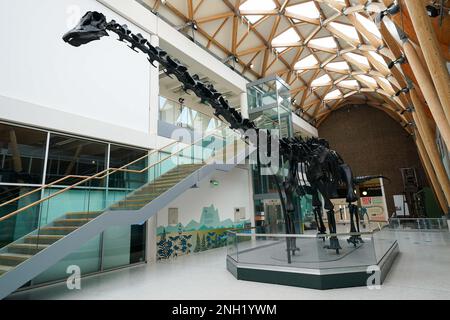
<point>355,240</point>
<point>293,250</point>
<point>334,245</point>
<point>321,232</point>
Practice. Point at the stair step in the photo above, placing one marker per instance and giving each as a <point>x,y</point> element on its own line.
<point>43,239</point>
<point>13,259</point>
<point>57,230</point>
<point>164,182</point>
<point>128,206</point>
<point>81,215</point>
<point>71,222</point>
<point>144,195</point>
<point>176,174</point>
<point>157,184</point>
<point>26,248</point>
<point>5,269</point>
<point>180,172</point>
<point>130,203</point>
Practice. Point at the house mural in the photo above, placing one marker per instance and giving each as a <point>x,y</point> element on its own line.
<point>209,233</point>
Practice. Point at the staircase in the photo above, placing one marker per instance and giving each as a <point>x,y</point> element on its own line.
<point>23,259</point>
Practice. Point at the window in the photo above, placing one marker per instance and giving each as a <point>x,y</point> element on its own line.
<point>323,43</point>
<point>321,81</point>
<point>256,6</point>
<point>73,156</point>
<point>289,36</point>
<point>22,153</point>
<point>333,95</point>
<point>349,84</point>
<point>120,156</point>
<point>309,62</point>
<point>368,25</point>
<point>357,59</point>
<point>368,81</point>
<point>304,11</point>
<point>338,66</point>
<point>344,31</point>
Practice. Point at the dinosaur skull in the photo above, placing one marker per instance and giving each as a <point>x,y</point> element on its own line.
<point>91,27</point>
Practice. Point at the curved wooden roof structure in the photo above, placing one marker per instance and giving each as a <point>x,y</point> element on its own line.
<point>388,54</point>
<point>331,52</point>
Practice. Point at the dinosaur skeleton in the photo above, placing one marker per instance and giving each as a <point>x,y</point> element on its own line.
<point>324,168</point>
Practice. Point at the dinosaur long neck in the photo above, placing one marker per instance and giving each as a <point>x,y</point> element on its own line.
<point>204,91</point>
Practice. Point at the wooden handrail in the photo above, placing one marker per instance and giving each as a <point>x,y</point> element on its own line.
<point>73,177</point>
<point>96,176</point>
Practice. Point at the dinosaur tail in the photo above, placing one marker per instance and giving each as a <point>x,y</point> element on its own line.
<point>362,179</point>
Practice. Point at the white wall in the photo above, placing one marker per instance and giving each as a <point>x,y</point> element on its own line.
<point>104,81</point>
<point>232,192</point>
<point>178,45</point>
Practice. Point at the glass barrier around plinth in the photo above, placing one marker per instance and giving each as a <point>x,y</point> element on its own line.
<point>308,251</point>
<point>418,224</point>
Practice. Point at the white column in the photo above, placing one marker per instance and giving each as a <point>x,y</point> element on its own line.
<point>153,131</point>
<point>244,104</point>
<point>154,92</point>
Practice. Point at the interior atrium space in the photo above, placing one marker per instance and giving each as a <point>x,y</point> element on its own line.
<point>225,150</point>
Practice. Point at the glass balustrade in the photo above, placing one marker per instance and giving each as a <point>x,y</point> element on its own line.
<point>175,113</point>
<point>271,250</point>
<point>42,216</point>
<point>418,224</point>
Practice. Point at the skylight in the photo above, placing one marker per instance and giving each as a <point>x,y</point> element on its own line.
<point>257,6</point>
<point>368,80</point>
<point>378,58</point>
<point>306,10</point>
<point>326,43</point>
<point>346,30</point>
<point>307,63</point>
<point>290,36</point>
<point>321,81</point>
<point>333,95</point>
<point>369,25</point>
<point>338,66</point>
<point>356,58</point>
<point>385,82</point>
<point>348,84</point>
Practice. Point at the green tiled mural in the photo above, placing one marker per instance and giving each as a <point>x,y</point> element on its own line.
<point>209,233</point>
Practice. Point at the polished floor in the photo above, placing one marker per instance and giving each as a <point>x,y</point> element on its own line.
<point>421,271</point>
